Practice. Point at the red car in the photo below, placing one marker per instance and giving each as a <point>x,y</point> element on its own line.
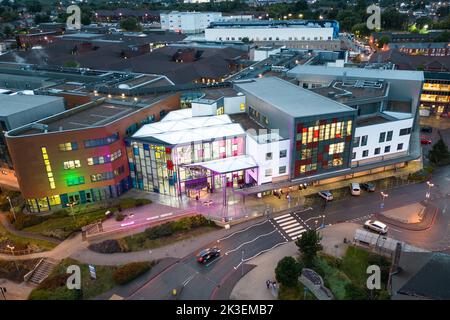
<point>425,140</point>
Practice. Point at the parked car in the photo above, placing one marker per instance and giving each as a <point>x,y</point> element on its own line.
<point>208,254</point>
<point>355,189</point>
<point>425,140</point>
<point>426,129</point>
<point>370,187</point>
<point>326,194</point>
<point>377,226</point>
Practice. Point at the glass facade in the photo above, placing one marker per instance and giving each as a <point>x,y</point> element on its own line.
<point>322,145</point>
<point>159,168</point>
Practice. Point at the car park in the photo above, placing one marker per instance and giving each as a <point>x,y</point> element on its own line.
<point>376,226</point>
<point>326,194</point>
<point>355,189</point>
<point>208,254</point>
<point>367,186</point>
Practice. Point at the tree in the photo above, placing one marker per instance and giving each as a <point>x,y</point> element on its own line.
<point>309,245</point>
<point>130,24</point>
<point>391,19</point>
<point>8,31</point>
<point>85,19</point>
<point>34,6</point>
<point>41,18</point>
<point>439,154</point>
<point>383,40</point>
<point>287,272</point>
<point>245,40</point>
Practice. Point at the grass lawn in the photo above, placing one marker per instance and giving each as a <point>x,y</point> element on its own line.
<point>54,287</point>
<point>38,245</point>
<point>140,242</point>
<point>294,293</point>
<point>61,226</point>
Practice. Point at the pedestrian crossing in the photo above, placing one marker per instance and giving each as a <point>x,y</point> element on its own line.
<point>289,225</point>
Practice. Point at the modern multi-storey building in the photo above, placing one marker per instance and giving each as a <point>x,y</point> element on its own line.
<point>18,110</point>
<point>79,155</point>
<point>188,22</point>
<point>302,34</point>
<point>435,96</point>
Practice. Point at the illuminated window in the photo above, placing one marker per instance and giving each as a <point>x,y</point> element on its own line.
<point>74,181</point>
<point>242,106</point>
<point>48,168</point>
<point>336,148</point>
<point>72,164</point>
<point>68,146</point>
<point>105,159</point>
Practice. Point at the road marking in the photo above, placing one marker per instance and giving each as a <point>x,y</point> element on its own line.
<point>291,224</point>
<point>288,223</point>
<point>185,282</point>
<point>234,233</point>
<point>247,242</point>
<point>284,220</point>
<point>395,229</point>
<point>293,229</point>
<point>312,218</point>
<point>259,253</point>
<point>283,216</point>
<point>166,214</point>
<point>296,233</point>
<point>152,218</point>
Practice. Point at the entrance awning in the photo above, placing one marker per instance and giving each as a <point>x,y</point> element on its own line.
<point>226,165</point>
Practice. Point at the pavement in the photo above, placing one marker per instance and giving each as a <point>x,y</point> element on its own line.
<point>15,291</point>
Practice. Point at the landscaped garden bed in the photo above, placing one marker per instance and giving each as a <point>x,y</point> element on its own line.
<point>16,270</point>
<point>63,223</point>
<point>158,236</point>
<point>107,277</point>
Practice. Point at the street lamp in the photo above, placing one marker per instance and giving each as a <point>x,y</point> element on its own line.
<point>323,221</point>
<point>12,208</point>
<point>430,185</point>
<point>12,252</point>
<point>71,204</point>
<point>384,195</point>
<point>316,222</point>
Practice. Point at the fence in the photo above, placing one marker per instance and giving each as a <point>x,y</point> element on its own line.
<point>16,252</point>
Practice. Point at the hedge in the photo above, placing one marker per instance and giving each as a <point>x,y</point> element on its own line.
<point>183,224</point>
<point>130,271</point>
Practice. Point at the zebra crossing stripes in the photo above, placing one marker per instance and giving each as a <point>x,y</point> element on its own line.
<point>290,226</point>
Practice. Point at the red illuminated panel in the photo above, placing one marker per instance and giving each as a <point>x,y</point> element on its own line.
<point>169,165</point>
<point>168,150</point>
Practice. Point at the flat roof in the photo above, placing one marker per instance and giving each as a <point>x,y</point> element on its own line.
<point>11,104</point>
<point>351,90</point>
<point>290,98</point>
<point>371,120</point>
<point>357,72</point>
<point>85,117</point>
<point>186,130</point>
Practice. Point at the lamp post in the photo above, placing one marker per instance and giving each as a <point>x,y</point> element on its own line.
<point>12,208</point>
<point>323,221</point>
<point>384,195</point>
<point>316,222</point>
<point>430,185</point>
<point>12,252</point>
<point>71,204</point>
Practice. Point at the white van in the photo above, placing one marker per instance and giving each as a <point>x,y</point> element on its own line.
<point>355,189</point>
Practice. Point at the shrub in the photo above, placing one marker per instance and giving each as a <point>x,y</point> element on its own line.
<point>110,246</point>
<point>27,220</point>
<point>130,271</point>
<point>354,292</point>
<point>128,203</point>
<point>120,217</point>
